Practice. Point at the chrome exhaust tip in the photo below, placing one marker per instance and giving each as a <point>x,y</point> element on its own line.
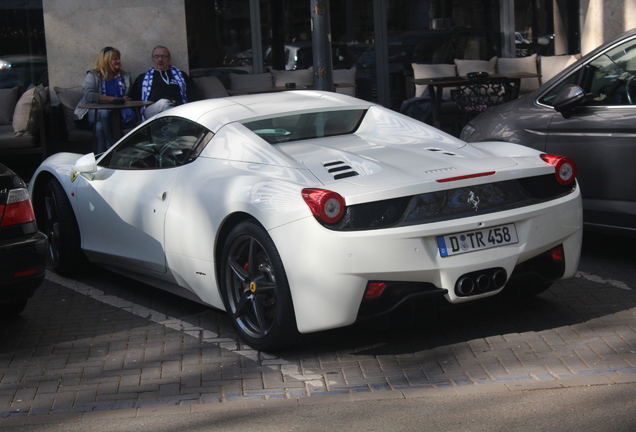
<point>464,286</point>
<point>483,282</point>
<point>499,278</point>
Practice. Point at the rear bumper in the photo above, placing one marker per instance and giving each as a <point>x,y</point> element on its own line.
<point>22,266</point>
<point>328,271</point>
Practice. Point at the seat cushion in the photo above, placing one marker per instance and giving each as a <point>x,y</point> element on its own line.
<point>69,98</point>
<point>549,66</point>
<point>9,140</point>
<point>301,77</point>
<point>250,81</point>
<point>8,99</point>
<point>519,65</point>
<point>467,66</point>
<point>424,71</point>
<point>345,76</point>
<point>25,119</point>
<point>210,87</point>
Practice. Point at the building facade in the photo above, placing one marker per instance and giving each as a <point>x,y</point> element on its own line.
<point>380,38</point>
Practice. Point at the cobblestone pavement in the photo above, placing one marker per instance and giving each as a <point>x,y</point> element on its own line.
<point>103,346</point>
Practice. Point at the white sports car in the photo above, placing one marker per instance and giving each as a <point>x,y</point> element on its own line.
<point>304,211</point>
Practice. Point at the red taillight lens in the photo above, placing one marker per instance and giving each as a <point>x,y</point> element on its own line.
<point>557,254</point>
<point>326,205</point>
<point>374,290</point>
<point>18,209</point>
<point>564,168</point>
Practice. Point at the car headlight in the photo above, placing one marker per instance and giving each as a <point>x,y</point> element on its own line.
<point>467,132</point>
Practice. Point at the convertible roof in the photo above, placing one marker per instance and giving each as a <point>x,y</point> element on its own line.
<point>214,113</point>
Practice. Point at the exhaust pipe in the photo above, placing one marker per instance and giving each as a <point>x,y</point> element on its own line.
<point>499,278</point>
<point>464,286</point>
<point>483,282</point>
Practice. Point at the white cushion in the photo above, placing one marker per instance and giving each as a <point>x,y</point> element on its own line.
<point>301,77</point>
<point>25,121</point>
<point>8,99</point>
<point>345,76</point>
<point>250,81</point>
<point>552,65</point>
<point>467,66</point>
<point>519,65</point>
<point>424,71</point>
<point>210,87</point>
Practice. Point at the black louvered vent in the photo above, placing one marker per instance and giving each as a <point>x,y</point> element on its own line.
<point>438,150</point>
<point>340,170</point>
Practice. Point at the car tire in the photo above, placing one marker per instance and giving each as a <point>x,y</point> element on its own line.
<point>60,226</point>
<point>255,289</point>
<point>13,308</point>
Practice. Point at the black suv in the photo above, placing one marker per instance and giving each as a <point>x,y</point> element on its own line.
<point>22,246</point>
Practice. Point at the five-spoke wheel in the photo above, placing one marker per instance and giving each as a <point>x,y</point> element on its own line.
<point>255,289</point>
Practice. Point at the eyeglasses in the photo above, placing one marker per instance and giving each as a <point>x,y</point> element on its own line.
<point>160,56</point>
<point>107,49</point>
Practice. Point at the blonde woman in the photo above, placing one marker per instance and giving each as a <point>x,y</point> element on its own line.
<point>106,82</point>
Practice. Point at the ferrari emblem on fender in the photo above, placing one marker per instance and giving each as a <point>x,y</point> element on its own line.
<point>73,175</point>
<point>253,286</point>
<point>473,200</point>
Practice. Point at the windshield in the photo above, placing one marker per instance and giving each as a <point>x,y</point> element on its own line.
<point>307,126</point>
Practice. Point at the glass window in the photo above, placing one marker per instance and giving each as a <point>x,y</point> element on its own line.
<point>610,79</point>
<point>306,126</point>
<point>164,143</point>
<point>219,34</point>
<point>22,44</point>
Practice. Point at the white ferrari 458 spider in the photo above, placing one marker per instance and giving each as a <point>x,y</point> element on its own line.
<point>304,211</point>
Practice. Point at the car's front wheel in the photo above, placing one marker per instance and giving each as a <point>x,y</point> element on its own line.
<point>60,226</point>
<point>255,289</point>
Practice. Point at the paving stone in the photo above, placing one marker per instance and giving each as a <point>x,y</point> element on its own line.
<point>72,353</point>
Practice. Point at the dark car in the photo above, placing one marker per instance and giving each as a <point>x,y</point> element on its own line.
<point>23,70</point>
<point>588,113</point>
<point>22,247</point>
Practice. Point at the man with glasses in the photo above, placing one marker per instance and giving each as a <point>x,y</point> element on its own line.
<point>163,84</point>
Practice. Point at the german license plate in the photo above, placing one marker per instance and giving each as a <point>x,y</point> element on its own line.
<point>471,241</point>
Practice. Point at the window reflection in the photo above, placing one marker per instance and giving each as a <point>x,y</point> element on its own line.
<point>22,44</point>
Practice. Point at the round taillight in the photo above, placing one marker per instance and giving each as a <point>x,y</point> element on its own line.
<point>564,168</point>
<point>325,205</point>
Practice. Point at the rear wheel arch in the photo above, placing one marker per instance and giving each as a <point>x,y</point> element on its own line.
<point>56,218</point>
<point>224,231</point>
<point>254,287</point>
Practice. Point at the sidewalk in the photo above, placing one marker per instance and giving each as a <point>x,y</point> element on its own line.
<point>109,347</point>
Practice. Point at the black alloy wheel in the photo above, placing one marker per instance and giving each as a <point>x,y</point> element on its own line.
<point>255,289</point>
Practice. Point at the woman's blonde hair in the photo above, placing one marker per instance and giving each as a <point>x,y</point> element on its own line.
<point>103,66</point>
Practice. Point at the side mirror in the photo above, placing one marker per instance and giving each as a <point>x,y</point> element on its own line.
<point>568,98</point>
<point>86,166</point>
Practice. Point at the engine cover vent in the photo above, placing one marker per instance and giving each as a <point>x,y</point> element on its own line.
<point>339,170</point>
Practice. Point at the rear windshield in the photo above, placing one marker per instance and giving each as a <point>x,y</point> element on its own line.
<point>306,126</point>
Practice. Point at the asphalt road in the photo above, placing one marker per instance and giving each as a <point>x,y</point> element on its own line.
<point>102,352</point>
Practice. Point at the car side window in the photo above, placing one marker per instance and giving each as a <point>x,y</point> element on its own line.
<point>163,143</point>
<point>610,79</point>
